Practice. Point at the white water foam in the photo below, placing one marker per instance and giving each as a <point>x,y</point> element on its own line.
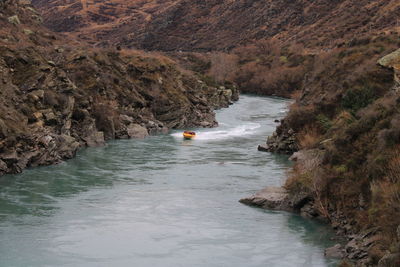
<point>239,131</point>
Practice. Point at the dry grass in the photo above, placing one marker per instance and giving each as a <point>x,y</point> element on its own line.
<point>309,176</point>
<point>386,195</point>
<point>308,137</point>
<point>300,116</point>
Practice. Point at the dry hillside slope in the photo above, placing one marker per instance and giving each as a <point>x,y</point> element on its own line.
<point>214,24</point>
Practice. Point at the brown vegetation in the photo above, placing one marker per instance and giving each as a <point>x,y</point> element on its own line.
<point>219,25</point>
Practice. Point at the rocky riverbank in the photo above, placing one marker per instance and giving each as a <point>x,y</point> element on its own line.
<point>353,247</point>
<point>58,95</point>
<point>357,246</point>
<point>347,165</point>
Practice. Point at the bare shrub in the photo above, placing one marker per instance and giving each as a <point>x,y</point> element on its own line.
<point>222,66</point>
<point>104,114</point>
<point>308,176</point>
<point>385,194</point>
<point>268,47</point>
<point>308,137</point>
<point>300,116</point>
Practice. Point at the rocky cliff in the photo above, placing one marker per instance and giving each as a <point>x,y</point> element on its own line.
<point>58,95</point>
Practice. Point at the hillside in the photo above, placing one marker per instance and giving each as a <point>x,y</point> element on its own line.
<point>264,47</point>
<point>58,95</point>
<point>209,25</point>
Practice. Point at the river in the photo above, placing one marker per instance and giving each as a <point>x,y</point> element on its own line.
<point>161,201</point>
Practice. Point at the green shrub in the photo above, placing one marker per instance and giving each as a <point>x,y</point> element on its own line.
<point>324,122</point>
<point>340,169</point>
<point>199,65</point>
<point>358,98</point>
<point>210,81</point>
<point>283,59</point>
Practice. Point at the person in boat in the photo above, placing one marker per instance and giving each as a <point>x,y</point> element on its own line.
<point>189,134</point>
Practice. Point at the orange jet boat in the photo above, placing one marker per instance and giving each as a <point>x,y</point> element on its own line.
<point>189,135</point>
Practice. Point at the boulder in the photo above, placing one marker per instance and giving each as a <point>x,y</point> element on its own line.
<point>37,94</point>
<point>67,146</point>
<point>137,131</point>
<point>95,139</point>
<point>263,148</point>
<point>156,127</point>
<point>269,198</point>
<point>45,140</point>
<point>50,117</point>
<point>10,156</point>
<point>125,119</point>
<point>390,60</point>
<point>334,252</point>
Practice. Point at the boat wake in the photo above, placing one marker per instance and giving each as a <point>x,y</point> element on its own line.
<point>239,131</point>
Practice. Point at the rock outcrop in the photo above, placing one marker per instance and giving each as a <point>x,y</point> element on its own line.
<point>392,61</point>
<point>281,141</point>
<point>275,198</point>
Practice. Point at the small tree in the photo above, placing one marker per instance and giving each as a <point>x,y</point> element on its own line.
<point>222,66</point>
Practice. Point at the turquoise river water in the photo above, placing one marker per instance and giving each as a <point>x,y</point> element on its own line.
<point>161,201</point>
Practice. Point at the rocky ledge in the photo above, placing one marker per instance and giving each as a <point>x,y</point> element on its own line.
<point>355,248</point>
<point>278,198</point>
<point>275,198</point>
